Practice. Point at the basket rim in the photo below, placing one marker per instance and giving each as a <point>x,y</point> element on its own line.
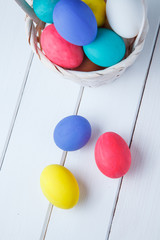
<point>33,28</point>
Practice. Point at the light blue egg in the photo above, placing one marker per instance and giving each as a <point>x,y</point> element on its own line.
<point>44,9</point>
<point>107,49</point>
<point>72,133</point>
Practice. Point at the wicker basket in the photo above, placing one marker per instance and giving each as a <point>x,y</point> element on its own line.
<point>91,79</point>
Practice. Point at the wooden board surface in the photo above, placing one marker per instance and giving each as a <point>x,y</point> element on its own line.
<point>46,100</point>
<point>33,100</point>
<point>15,62</point>
<point>139,197</point>
<point>110,108</point>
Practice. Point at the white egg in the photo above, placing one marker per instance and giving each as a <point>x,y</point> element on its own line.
<point>125,16</point>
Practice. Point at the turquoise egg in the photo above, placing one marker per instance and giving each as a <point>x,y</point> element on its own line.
<point>107,49</point>
<point>44,9</point>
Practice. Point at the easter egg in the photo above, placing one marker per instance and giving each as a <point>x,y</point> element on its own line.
<point>59,51</point>
<point>112,155</point>
<point>59,186</point>
<point>72,133</point>
<point>125,16</point>
<point>99,9</point>
<point>107,49</point>
<point>75,22</point>
<point>44,9</point>
<point>88,66</point>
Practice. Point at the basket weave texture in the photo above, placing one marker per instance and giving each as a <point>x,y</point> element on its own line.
<point>93,78</point>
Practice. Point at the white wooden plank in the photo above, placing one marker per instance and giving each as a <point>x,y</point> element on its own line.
<point>47,99</point>
<point>14,57</point>
<point>109,108</point>
<point>138,210</point>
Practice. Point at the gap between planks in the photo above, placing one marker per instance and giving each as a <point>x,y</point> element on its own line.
<point>64,154</point>
<point>133,131</point>
<point>62,162</point>
<point>19,100</point>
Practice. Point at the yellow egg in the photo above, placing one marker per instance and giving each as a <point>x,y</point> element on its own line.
<point>59,186</point>
<point>99,9</point>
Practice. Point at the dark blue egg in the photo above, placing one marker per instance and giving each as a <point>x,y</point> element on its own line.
<point>72,133</point>
<point>75,22</point>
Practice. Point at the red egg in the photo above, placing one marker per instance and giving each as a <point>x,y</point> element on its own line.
<point>59,51</point>
<point>112,155</point>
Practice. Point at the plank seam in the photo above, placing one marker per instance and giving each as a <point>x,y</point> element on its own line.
<point>46,221</point>
<point>50,206</point>
<point>145,82</point>
<point>62,162</point>
<point>133,131</point>
<point>15,113</point>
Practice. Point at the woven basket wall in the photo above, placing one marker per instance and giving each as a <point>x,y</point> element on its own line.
<point>34,28</point>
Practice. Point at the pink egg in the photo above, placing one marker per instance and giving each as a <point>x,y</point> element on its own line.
<point>112,155</point>
<point>59,51</point>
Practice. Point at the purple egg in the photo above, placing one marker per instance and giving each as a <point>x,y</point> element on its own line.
<point>75,22</point>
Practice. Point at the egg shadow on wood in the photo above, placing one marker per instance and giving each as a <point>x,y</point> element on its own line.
<point>96,132</point>
<point>137,162</point>
<point>83,191</point>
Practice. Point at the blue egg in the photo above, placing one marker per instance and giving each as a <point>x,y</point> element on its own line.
<point>107,49</point>
<point>44,9</point>
<point>75,22</point>
<point>72,133</point>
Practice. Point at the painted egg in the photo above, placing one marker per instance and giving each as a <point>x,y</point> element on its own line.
<point>88,66</point>
<point>59,186</point>
<point>107,49</point>
<point>44,9</point>
<point>72,133</point>
<point>75,22</point>
<point>99,9</point>
<point>59,51</point>
<point>125,16</point>
<point>112,155</point>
